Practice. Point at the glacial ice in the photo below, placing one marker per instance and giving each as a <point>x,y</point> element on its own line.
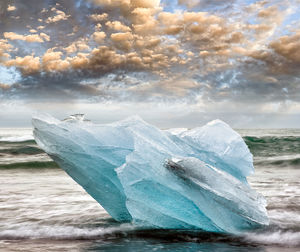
<point>180,179</point>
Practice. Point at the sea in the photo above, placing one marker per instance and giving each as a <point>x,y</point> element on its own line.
<point>43,209</point>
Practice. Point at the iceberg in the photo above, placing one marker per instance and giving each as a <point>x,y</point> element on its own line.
<point>172,179</point>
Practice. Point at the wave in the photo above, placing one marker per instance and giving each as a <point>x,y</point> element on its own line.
<point>22,150</point>
<point>268,146</point>
<point>30,165</point>
<point>285,217</point>
<point>268,151</point>
<point>57,232</point>
<point>281,238</point>
<point>25,142</point>
<point>280,161</point>
<point>17,138</point>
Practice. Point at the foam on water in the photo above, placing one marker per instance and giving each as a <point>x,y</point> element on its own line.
<point>16,135</point>
<point>276,237</point>
<point>65,232</point>
<point>16,138</point>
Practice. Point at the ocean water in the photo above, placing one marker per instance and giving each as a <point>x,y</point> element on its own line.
<point>42,209</point>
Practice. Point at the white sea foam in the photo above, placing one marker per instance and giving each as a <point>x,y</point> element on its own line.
<point>284,218</point>
<point>282,238</point>
<point>61,232</point>
<point>16,138</point>
<point>15,135</point>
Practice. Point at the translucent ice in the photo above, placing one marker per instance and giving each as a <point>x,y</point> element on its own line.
<point>180,179</point>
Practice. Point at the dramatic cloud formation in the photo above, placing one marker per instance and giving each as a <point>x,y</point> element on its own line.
<point>223,57</point>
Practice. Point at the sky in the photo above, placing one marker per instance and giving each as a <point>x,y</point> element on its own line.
<point>176,63</point>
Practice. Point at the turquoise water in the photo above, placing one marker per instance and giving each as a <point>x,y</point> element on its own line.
<point>42,209</point>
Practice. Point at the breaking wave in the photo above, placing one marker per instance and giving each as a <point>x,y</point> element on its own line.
<point>268,151</point>
<point>279,237</point>
<point>30,165</point>
<point>268,146</point>
<point>17,139</point>
<point>56,232</point>
<point>22,150</point>
<point>279,161</point>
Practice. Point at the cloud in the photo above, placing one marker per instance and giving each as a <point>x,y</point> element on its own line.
<point>4,86</point>
<point>189,52</point>
<point>122,40</point>
<point>99,17</point>
<point>118,26</point>
<point>60,15</point>
<point>128,4</point>
<point>281,58</point>
<point>51,61</point>
<point>288,47</point>
<point>99,36</point>
<point>45,36</point>
<point>79,45</point>
<point>5,48</point>
<point>11,8</point>
<point>28,64</point>
<point>40,38</point>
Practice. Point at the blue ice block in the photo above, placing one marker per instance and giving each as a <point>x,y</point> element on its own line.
<point>195,179</point>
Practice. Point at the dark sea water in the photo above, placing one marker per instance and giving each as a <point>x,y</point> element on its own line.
<point>42,209</point>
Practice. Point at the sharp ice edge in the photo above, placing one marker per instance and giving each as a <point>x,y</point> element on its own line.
<point>190,179</point>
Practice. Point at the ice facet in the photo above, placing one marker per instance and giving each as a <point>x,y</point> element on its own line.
<point>183,179</point>
<point>217,144</point>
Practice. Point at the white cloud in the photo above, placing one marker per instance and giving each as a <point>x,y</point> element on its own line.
<point>11,8</point>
